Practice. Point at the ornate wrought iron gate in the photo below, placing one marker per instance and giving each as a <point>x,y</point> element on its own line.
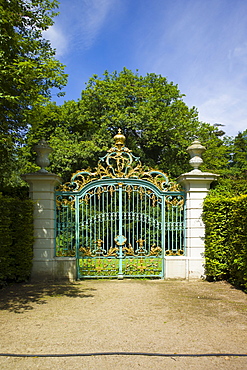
<point>120,220</point>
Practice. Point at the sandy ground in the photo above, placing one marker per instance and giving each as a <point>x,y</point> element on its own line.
<point>152,316</point>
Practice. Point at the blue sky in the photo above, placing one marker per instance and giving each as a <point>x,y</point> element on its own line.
<point>201,45</point>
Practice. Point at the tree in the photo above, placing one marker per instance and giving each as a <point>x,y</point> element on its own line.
<point>239,155</point>
<point>150,112</point>
<point>233,182</point>
<point>28,69</point>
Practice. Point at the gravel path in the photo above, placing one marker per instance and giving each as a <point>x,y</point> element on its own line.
<point>195,317</point>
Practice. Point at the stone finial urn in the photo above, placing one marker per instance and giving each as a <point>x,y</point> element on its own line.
<point>43,150</point>
<point>195,151</point>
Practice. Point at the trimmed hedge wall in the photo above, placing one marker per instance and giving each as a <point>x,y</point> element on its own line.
<point>226,239</point>
<point>16,239</point>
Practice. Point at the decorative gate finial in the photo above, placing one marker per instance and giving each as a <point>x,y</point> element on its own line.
<point>119,139</point>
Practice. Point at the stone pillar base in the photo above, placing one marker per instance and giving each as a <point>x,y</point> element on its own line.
<point>182,267</point>
<point>57,268</point>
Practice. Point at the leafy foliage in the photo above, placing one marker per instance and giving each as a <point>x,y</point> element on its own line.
<point>28,70</point>
<point>239,155</point>
<point>16,239</point>
<point>226,238</point>
<point>229,187</point>
<point>150,112</point>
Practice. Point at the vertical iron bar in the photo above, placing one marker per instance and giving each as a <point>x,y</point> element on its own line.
<point>103,214</point>
<point>157,223</point>
<point>82,223</point>
<point>72,219</point>
<point>90,219</point>
<point>129,217</point>
<point>140,213</point>
<point>62,226</point>
<point>133,219</point>
<point>153,219</point>
<point>86,219</point>
<point>137,216</point>
<point>180,228</point>
<point>107,217</point>
<point>172,227</point>
<point>124,214</point>
<point>77,228</point>
<point>94,218</point>
<point>145,220</point>
<point>67,227</point>
<point>98,203</point>
<point>176,228</point>
<point>115,213</point>
<point>58,228</point>
<point>164,225</point>
<point>111,220</point>
<point>149,220</point>
<point>163,236</point>
<point>168,225</point>
<point>184,225</point>
<point>120,272</point>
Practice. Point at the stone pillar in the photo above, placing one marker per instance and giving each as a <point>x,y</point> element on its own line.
<point>41,191</point>
<point>196,185</point>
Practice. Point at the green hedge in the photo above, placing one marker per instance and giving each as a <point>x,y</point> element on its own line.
<point>16,239</point>
<point>226,239</point>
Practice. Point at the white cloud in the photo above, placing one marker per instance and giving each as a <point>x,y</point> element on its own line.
<point>58,39</point>
<point>199,45</point>
<point>240,52</point>
<point>222,102</point>
<point>228,109</point>
<point>79,23</point>
<point>90,19</point>
<point>197,49</point>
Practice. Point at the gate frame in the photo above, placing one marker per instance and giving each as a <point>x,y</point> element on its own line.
<point>133,182</point>
<point>48,267</point>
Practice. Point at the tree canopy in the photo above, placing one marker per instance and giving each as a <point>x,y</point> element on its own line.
<point>239,155</point>
<point>151,113</point>
<point>28,68</point>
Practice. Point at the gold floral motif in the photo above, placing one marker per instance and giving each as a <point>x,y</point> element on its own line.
<point>111,190</point>
<point>176,201</point>
<point>66,253</point>
<point>86,251</point>
<point>155,251</point>
<point>112,252</point>
<point>154,200</point>
<point>86,198</point>
<point>129,251</point>
<point>141,192</point>
<point>141,267</point>
<point>99,191</point>
<point>128,190</point>
<point>179,252</point>
<point>141,250</point>
<point>65,202</point>
<point>99,243</point>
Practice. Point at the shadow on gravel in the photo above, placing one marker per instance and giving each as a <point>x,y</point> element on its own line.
<point>19,298</point>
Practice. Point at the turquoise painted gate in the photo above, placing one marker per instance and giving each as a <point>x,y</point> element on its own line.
<point>120,220</point>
